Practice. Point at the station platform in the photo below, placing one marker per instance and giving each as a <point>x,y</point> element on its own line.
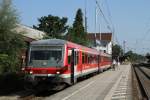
<point>109,85</point>
<point>122,89</point>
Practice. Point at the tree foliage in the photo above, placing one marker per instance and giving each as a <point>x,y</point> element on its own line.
<point>76,33</point>
<point>134,57</point>
<point>116,51</point>
<point>53,26</point>
<point>148,57</point>
<point>11,42</point>
<point>78,24</point>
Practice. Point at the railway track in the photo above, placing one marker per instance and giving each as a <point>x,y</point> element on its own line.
<point>30,95</point>
<point>25,95</point>
<point>21,95</point>
<point>142,73</point>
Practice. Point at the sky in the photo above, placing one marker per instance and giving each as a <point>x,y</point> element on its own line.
<point>130,18</point>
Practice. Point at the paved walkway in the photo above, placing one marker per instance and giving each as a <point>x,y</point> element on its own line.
<point>122,89</point>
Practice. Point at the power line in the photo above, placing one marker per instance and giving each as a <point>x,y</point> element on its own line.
<point>107,22</point>
<point>85,16</point>
<point>110,19</point>
<point>109,14</point>
<point>112,29</point>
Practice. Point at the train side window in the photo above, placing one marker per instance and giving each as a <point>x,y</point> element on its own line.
<point>83,58</point>
<point>69,56</point>
<point>76,57</point>
<point>99,58</point>
<point>88,59</point>
<point>102,59</point>
<point>93,59</point>
<point>75,60</point>
<point>69,59</point>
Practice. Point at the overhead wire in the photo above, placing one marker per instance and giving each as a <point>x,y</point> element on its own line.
<point>144,35</point>
<point>107,22</point>
<point>110,19</point>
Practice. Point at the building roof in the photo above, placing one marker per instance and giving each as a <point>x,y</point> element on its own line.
<point>30,32</point>
<point>100,36</point>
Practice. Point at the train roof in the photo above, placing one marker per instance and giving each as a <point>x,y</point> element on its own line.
<point>49,42</point>
<point>70,44</point>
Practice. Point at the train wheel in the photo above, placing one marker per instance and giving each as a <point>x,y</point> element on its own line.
<point>28,86</point>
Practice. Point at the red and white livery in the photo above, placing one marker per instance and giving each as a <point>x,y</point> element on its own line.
<point>55,61</point>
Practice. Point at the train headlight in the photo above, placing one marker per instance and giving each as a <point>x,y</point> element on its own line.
<point>23,69</point>
<point>31,72</point>
<point>57,72</point>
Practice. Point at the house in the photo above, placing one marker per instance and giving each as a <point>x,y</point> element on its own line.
<point>101,41</point>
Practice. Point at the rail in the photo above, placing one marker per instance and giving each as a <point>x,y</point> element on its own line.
<point>142,72</point>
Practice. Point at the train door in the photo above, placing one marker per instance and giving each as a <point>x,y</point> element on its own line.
<point>74,62</point>
<point>98,63</point>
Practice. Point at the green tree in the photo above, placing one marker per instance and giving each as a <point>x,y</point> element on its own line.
<point>11,42</point>
<point>134,57</point>
<point>77,33</point>
<point>148,57</point>
<point>53,26</point>
<point>116,51</point>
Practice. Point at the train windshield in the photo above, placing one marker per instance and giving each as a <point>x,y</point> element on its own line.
<point>46,57</point>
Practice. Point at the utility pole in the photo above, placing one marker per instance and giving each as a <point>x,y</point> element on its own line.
<point>124,46</point>
<point>100,31</point>
<point>85,16</point>
<point>95,23</point>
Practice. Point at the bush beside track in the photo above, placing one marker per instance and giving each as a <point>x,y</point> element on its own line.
<point>10,83</point>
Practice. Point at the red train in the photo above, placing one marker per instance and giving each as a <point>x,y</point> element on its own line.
<point>55,62</point>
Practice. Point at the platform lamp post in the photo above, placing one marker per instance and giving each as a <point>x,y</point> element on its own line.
<point>124,46</point>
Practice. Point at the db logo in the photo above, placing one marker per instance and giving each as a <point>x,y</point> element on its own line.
<point>43,71</point>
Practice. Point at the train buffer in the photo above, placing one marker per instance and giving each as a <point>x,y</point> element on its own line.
<point>109,85</point>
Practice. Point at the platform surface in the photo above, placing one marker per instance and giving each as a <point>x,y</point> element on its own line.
<point>109,85</point>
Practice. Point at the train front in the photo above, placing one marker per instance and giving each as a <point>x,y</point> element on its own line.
<point>45,65</point>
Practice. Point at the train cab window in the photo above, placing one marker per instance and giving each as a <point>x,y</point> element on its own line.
<point>46,58</point>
